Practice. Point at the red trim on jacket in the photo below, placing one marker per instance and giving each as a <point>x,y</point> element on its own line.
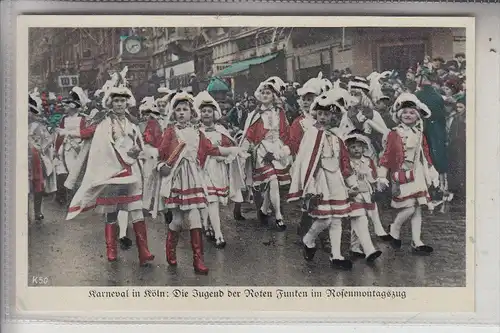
<point>296,135</point>
<point>153,133</point>
<point>256,131</point>
<point>170,144</point>
<point>394,152</point>
<point>37,177</point>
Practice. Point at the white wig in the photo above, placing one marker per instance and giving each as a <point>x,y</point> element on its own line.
<point>204,98</point>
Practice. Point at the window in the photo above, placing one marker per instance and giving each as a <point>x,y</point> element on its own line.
<point>86,53</point>
<point>400,56</point>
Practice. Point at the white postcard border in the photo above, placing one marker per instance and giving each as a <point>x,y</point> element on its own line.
<point>32,300</point>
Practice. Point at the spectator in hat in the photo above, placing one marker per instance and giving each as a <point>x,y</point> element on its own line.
<point>459,62</point>
<point>435,125</point>
<point>456,149</point>
<point>194,84</point>
<point>437,63</point>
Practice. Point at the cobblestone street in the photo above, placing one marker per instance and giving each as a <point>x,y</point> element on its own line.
<point>73,253</point>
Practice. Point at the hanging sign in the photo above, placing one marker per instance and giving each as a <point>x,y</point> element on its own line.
<point>66,81</point>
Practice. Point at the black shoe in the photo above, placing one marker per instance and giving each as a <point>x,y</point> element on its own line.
<point>264,218</point>
<point>356,255</point>
<point>239,217</point>
<point>220,243</point>
<point>308,252</point>
<point>342,264</point>
<point>280,225</point>
<point>125,243</point>
<point>396,243</point>
<point>39,217</point>
<point>168,217</point>
<point>386,238</point>
<point>422,249</point>
<point>371,258</point>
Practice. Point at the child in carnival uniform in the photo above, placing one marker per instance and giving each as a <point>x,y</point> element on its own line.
<point>162,105</point>
<point>322,176</point>
<point>152,137</point>
<point>266,137</point>
<point>68,147</point>
<point>222,174</point>
<point>112,176</point>
<point>181,185</point>
<point>41,170</point>
<point>308,92</point>
<point>407,160</point>
<point>362,115</point>
<point>362,205</point>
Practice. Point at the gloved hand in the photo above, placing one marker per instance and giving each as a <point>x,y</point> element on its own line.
<point>361,117</point>
<point>352,192</point>
<point>165,170</point>
<point>434,176</point>
<point>382,184</point>
<point>268,158</point>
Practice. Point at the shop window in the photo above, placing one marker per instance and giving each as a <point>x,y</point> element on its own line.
<point>86,53</point>
<point>400,57</point>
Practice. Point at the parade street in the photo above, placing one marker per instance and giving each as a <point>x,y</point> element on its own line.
<point>73,253</point>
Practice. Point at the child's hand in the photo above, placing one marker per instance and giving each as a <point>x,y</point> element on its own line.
<point>361,117</point>
<point>352,192</point>
<point>268,158</point>
<point>165,171</point>
<point>133,152</point>
<point>382,184</point>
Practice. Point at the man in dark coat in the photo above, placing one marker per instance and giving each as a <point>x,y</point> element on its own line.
<point>435,125</point>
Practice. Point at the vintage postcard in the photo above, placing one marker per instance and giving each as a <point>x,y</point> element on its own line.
<point>236,164</point>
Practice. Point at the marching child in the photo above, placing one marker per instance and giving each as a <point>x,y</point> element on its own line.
<point>183,152</point>
<point>222,174</point>
<point>362,204</point>
<point>406,157</point>
<point>68,147</point>
<point>40,146</point>
<point>116,144</point>
<point>322,176</point>
<point>300,125</point>
<point>152,136</point>
<point>266,135</point>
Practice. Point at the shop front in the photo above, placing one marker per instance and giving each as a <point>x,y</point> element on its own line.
<point>177,77</point>
<point>246,75</point>
<point>380,49</point>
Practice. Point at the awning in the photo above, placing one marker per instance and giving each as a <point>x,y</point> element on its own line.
<point>245,65</point>
<point>216,84</point>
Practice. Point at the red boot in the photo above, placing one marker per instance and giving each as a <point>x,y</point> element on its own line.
<point>110,236</point>
<point>141,240</point>
<point>197,246</point>
<point>170,246</point>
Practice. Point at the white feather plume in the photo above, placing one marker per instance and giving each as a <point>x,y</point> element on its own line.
<point>338,94</point>
<point>81,95</point>
<point>118,80</point>
<point>148,104</point>
<point>35,95</point>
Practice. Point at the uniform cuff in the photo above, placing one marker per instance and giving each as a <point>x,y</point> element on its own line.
<point>382,172</point>
<point>160,165</point>
<point>286,151</point>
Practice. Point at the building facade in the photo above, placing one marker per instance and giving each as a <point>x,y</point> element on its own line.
<point>242,56</point>
<point>172,62</point>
